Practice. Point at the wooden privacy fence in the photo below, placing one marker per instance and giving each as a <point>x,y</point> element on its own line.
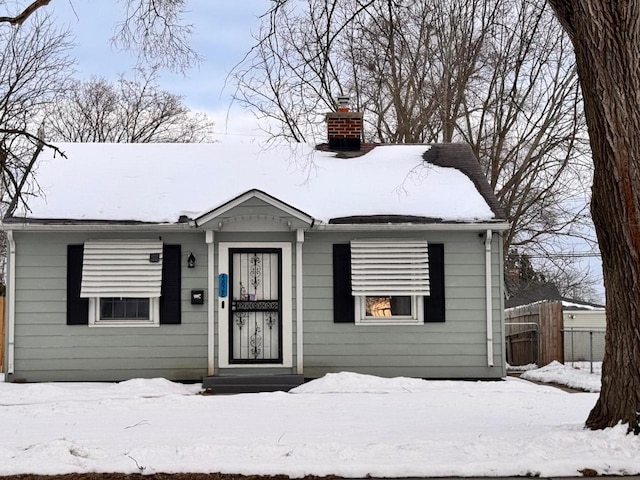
<point>2,330</point>
<point>547,315</point>
<point>521,343</point>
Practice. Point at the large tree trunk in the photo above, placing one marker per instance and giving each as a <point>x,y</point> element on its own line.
<point>606,38</point>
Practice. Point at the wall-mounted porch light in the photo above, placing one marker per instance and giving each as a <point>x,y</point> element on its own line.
<point>191,261</point>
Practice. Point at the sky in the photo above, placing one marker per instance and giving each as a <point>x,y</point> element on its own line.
<point>342,424</point>
<point>223,34</point>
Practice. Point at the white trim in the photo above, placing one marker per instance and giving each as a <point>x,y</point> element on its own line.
<point>287,304</point>
<point>209,238</point>
<point>247,223</point>
<point>239,200</point>
<point>95,322</point>
<point>11,304</point>
<point>299,304</point>
<point>416,318</point>
<point>489,297</point>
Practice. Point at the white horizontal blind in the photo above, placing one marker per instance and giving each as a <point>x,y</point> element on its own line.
<point>389,267</point>
<point>121,268</point>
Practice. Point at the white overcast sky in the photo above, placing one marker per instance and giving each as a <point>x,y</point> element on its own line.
<point>223,34</point>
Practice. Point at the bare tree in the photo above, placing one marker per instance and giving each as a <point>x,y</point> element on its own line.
<point>134,110</point>
<point>606,38</point>
<point>497,74</point>
<point>154,29</point>
<point>34,66</point>
<point>33,71</point>
<point>391,50</point>
<point>523,118</point>
<point>291,48</point>
<point>524,273</point>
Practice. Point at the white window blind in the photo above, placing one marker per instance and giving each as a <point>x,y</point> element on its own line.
<point>389,267</point>
<point>122,268</point>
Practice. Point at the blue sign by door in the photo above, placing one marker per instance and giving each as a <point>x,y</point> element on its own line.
<point>223,285</point>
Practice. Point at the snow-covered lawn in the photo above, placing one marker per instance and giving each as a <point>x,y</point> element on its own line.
<point>344,424</point>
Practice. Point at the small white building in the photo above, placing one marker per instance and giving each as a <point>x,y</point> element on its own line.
<point>584,328</point>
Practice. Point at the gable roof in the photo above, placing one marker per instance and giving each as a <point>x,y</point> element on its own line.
<point>168,183</point>
<point>265,197</point>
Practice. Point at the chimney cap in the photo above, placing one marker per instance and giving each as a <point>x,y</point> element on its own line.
<point>343,102</point>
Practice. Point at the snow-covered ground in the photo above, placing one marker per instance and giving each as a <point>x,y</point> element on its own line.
<point>343,424</point>
<point>572,374</point>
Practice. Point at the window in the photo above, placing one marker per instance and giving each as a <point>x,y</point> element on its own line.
<point>388,306</point>
<point>389,279</point>
<point>122,280</point>
<point>170,302</point>
<point>117,311</point>
<point>389,309</point>
<point>124,309</point>
<point>414,305</point>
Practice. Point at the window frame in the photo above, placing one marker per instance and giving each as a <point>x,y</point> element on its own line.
<point>435,309</point>
<point>416,317</point>
<point>171,292</point>
<point>96,321</point>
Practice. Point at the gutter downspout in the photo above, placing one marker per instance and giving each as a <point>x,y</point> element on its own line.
<point>210,302</point>
<point>299,303</point>
<point>489,297</point>
<point>11,304</point>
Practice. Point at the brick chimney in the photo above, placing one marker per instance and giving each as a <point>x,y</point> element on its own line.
<point>344,128</point>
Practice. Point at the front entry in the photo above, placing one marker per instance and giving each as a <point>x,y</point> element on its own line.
<point>255,313</point>
<point>255,316</point>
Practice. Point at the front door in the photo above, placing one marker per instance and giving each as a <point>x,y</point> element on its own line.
<point>255,316</point>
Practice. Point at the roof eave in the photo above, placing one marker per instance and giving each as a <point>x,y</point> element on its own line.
<point>92,226</point>
<point>43,225</point>
<point>498,226</point>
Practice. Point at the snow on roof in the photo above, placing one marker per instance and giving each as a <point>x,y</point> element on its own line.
<point>576,305</point>
<point>161,182</point>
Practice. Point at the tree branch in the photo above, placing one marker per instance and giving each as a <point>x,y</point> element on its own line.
<point>26,13</point>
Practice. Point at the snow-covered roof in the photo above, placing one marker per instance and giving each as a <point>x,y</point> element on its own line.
<point>578,305</point>
<point>162,182</point>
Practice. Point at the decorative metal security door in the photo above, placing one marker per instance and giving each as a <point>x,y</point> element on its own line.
<point>255,324</point>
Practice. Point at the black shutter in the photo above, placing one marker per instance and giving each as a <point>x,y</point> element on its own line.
<point>343,305</point>
<point>434,303</point>
<point>170,292</point>
<point>77,308</point>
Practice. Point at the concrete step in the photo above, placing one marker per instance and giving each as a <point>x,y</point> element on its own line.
<point>251,383</point>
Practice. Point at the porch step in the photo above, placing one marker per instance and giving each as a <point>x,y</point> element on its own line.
<point>251,383</point>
